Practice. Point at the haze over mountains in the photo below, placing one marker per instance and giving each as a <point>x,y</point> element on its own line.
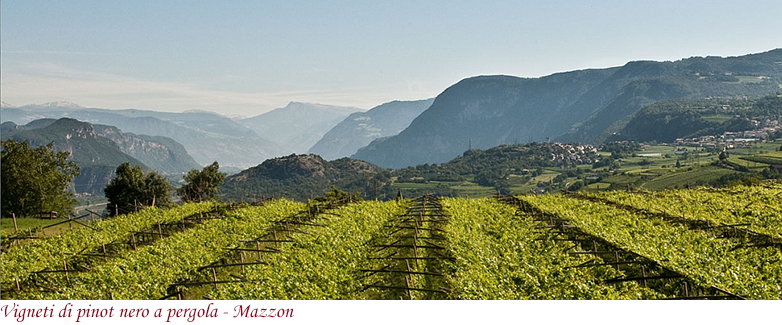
<point>481,112</point>
<point>297,126</point>
<point>160,153</point>
<point>206,136</point>
<point>359,129</point>
<point>585,106</point>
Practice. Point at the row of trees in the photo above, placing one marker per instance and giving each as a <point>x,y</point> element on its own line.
<point>37,179</point>
<point>131,188</point>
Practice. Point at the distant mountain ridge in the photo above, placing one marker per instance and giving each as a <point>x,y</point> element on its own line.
<point>583,106</point>
<point>99,149</point>
<point>162,154</point>
<point>297,126</point>
<point>208,137</point>
<point>359,129</point>
<point>96,156</point>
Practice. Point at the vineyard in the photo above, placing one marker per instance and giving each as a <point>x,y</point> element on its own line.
<point>680,244</point>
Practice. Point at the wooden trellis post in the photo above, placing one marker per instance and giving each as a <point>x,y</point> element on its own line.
<point>214,277</point>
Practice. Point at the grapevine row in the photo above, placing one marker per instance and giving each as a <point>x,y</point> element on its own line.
<point>19,263</point>
<point>409,257</point>
<point>320,261</point>
<point>502,254</point>
<point>145,273</point>
<point>265,241</point>
<point>709,209</point>
<point>699,256</point>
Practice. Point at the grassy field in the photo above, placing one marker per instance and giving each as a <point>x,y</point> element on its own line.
<point>7,225</point>
<point>599,186</point>
<point>475,191</point>
<point>717,118</point>
<point>686,177</point>
<point>750,79</point>
<point>463,189</point>
<point>744,162</point>
<point>413,186</point>
<point>773,158</point>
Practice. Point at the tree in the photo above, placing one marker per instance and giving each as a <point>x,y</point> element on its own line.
<point>132,189</point>
<point>203,184</point>
<point>35,180</point>
<point>576,186</point>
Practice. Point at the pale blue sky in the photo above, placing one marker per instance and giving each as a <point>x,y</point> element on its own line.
<point>247,57</point>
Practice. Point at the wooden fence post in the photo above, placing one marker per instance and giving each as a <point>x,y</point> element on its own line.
<point>13,215</point>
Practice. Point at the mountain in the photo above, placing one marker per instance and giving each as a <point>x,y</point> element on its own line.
<point>60,104</point>
<point>297,126</point>
<point>302,177</point>
<point>4,104</point>
<point>359,129</point>
<point>582,106</point>
<point>162,154</point>
<point>96,156</point>
<point>208,137</point>
<point>753,75</point>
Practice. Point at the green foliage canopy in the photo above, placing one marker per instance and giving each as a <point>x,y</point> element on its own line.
<point>35,179</point>
<point>132,188</point>
<point>203,184</point>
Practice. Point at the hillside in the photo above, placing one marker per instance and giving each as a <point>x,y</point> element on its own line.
<point>305,176</point>
<point>482,112</point>
<point>297,126</point>
<point>359,129</point>
<point>162,154</point>
<point>668,120</point>
<point>96,156</point>
<point>206,136</point>
<point>302,177</point>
